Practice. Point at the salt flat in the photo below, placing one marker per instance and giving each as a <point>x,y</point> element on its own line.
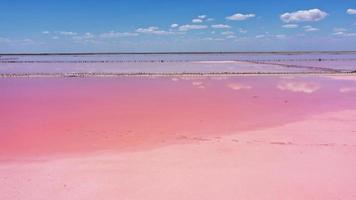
<point>180,63</point>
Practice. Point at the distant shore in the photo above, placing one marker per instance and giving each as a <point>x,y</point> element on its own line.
<point>145,53</point>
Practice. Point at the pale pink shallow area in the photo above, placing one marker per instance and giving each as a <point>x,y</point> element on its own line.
<point>245,137</point>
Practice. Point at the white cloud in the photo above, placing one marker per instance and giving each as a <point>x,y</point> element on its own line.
<point>153,30</point>
<point>55,38</point>
<point>243,31</point>
<point>213,39</point>
<point>344,34</point>
<point>210,19</point>
<point>227,33</point>
<point>310,29</point>
<point>67,33</point>
<point>147,30</point>
<point>86,36</point>
<point>28,41</point>
<point>304,15</point>
<point>220,26</point>
<point>189,27</point>
<point>46,32</point>
<point>339,33</point>
<point>197,21</point>
<point>271,36</point>
<point>85,39</point>
<point>113,34</point>
<point>290,26</point>
<point>351,11</point>
<point>174,25</point>
<point>202,16</point>
<point>240,17</point>
<point>230,37</point>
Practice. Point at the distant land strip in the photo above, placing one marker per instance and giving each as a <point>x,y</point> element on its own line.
<point>256,61</point>
<point>165,53</point>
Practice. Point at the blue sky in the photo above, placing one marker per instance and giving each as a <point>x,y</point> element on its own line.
<point>185,25</point>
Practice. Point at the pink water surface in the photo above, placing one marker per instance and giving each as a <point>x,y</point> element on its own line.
<point>192,138</point>
<point>52,116</point>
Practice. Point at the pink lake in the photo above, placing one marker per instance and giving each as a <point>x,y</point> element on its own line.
<point>240,137</point>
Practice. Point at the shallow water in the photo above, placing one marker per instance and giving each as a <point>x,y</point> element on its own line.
<point>54,116</point>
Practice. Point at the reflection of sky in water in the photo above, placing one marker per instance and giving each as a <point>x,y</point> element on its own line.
<point>306,87</point>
